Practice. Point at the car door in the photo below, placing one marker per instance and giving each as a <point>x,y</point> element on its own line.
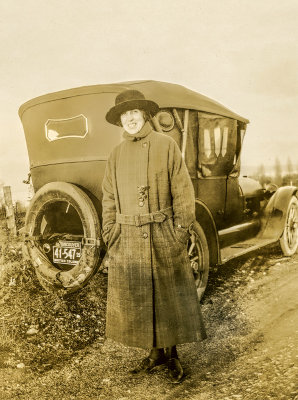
<point>217,145</point>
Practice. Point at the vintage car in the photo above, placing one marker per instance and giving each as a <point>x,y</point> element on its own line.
<point>69,141</point>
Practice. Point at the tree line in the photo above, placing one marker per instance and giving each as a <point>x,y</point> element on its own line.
<point>279,176</point>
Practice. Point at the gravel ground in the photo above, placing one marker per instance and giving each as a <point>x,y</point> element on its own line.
<point>250,309</point>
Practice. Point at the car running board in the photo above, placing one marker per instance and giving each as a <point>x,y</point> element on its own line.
<point>238,249</point>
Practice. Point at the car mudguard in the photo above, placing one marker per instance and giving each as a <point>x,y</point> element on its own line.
<point>205,219</point>
<point>274,215</point>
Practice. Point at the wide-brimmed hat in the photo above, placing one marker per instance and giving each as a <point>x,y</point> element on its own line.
<point>130,100</point>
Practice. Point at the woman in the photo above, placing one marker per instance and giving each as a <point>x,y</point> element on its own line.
<point>148,207</point>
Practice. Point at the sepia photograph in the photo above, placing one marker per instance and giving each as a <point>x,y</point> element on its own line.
<point>149,200</point>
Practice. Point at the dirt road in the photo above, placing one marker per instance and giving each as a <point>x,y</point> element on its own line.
<point>250,310</point>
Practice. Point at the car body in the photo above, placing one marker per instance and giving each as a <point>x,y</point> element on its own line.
<point>69,141</point>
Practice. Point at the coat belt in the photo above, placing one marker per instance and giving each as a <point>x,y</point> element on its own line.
<point>143,219</point>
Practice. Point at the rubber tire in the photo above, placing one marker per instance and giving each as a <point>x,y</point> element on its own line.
<point>50,277</point>
<point>202,251</point>
<point>290,233</point>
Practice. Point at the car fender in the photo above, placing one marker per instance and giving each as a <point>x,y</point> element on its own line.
<point>274,215</point>
<point>205,219</point>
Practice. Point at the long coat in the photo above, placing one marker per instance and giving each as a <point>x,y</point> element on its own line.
<point>152,300</point>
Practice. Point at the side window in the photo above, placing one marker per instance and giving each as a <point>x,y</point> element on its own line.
<point>75,127</point>
<point>241,128</point>
<point>172,122</point>
<point>217,144</point>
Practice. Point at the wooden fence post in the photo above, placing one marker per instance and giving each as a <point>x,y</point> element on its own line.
<point>10,218</point>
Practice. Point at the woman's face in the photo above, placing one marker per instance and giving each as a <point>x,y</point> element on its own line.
<point>133,120</point>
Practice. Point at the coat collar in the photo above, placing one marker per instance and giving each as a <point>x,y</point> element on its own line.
<point>147,128</point>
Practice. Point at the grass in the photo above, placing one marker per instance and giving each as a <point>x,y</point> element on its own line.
<point>62,326</point>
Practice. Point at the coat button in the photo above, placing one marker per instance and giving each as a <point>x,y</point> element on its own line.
<point>141,203</point>
<point>144,144</point>
<point>145,235</point>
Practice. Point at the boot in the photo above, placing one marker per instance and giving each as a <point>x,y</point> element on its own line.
<point>154,359</point>
<point>174,367</point>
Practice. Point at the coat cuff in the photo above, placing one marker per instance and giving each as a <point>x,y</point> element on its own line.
<point>182,234</point>
<point>106,232</point>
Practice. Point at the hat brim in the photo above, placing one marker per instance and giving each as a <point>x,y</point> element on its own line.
<point>113,115</point>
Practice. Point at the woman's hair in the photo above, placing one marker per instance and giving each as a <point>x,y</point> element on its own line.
<point>146,115</point>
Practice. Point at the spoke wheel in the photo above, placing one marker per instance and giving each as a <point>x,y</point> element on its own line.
<point>289,238</point>
<point>199,258</point>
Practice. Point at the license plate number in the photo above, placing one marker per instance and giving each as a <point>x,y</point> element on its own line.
<point>67,253</point>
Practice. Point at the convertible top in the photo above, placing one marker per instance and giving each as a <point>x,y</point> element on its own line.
<point>163,93</point>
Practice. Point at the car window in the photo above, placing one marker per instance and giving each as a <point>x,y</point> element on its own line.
<point>74,127</point>
<point>217,141</point>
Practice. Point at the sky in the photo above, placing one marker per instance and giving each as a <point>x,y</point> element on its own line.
<point>243,54</point>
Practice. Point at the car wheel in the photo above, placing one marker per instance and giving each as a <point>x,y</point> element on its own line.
<point>198,253</point>
<point>289,239</point>
<point>62,237</point>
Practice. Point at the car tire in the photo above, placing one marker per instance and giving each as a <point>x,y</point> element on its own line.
<point>289,239</point>
<point>48,202</point>
<point>198,253</point>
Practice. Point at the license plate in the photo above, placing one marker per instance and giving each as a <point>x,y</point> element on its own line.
<point>67,252</point>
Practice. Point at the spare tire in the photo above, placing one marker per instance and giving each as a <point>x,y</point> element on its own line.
<point>63,240</point>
